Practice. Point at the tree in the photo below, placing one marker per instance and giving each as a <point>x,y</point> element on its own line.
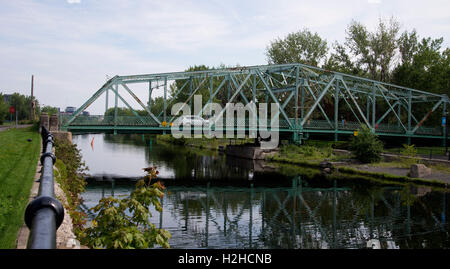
<point>50,110</point>
<point>366,146</point>
<point>408,46</point>
<point>184,94</point>
<point>157,106</point>
<point>3,109</point>
<point>428,67</point>
<point>341,61</point>
<point>121,111</point>
<point>298,47</point>
<point>425,66</point>
<point>373,52</point>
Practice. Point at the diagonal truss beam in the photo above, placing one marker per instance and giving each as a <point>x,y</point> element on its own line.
<point>140,103</point>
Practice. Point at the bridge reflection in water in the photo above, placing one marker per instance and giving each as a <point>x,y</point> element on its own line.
<point>296,216</point>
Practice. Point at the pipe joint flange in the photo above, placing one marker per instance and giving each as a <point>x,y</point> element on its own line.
<point>43,202</point>
<point>48,154</point>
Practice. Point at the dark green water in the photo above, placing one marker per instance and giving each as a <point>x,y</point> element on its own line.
<point>214,201</point>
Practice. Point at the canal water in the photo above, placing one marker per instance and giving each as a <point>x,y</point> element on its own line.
<point>215,201</point>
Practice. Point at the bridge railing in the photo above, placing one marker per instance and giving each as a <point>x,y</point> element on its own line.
<point>317,124</point>
<point>44,214</point>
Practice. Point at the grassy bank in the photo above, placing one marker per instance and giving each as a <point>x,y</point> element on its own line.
<point>312,154</point>
<point>18,160</point>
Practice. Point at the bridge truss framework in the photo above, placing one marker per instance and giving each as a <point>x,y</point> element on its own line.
<point>311,100</point>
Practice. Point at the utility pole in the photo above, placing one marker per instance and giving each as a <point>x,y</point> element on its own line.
<point>32,100</point>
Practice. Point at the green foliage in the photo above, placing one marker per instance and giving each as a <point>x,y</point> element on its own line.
<point>373,52</point>
<point>121,111</point>
<point>50,110</point>
<point>409,150</point>
<point>298,47</point>
<point>425,65</point>
<point>306,152</point>
<point>69,174</point>
<point>3,109</point>
<point>74,168</point>
<point>366,146</point>
<point>124,223</point>
<point>21,104</point>
<point>172,140</point>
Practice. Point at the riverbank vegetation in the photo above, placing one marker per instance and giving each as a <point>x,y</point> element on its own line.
<point>125,223</point>
<point>69,172</point>
<point>18,160</point>
<point>365,146</point>
<point>119,223</point>
<point>364,158</point>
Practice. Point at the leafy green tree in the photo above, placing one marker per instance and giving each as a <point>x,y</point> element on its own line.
<point>124,223</point>
<point>184,94</point>
<point>121,111</point>
<point>298,47</point>
<point>371,52</point>
<point>3,109</point>
<point>341,61</point>
<point>366,146</point>
<point>50,110</point>
<point>425,66</point>
<point>408,45</point>
<point>157,106</point>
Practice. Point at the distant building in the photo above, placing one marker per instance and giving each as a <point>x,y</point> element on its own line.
<point>85,113</point>
<point>6,97</point>
<point>70,109</point>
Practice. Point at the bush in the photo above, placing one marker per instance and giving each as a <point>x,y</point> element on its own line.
<point>366,146</point>
<point>125,223</point>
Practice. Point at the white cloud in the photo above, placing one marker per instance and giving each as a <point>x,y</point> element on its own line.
<point>74,1</point>
<point>374,1</point>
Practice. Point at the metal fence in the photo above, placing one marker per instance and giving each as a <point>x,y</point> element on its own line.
<point>44,214</point>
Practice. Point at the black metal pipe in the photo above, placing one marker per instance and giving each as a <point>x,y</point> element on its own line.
<point>43,230</point>
<point>44,214</point>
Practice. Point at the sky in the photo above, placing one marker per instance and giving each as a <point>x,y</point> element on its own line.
<point>72,46</point>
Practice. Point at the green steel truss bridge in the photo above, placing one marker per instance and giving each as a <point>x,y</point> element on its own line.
<point>311,100</point>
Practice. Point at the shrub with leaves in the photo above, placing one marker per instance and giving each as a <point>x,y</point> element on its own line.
<point>125,223</point>
<point>74,166</point>
<point>411,152</point>
<point>366,146</point>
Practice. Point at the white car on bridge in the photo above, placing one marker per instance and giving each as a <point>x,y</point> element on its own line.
<point>194,121</point>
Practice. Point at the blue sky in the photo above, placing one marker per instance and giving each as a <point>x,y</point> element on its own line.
<point>72,45</point>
